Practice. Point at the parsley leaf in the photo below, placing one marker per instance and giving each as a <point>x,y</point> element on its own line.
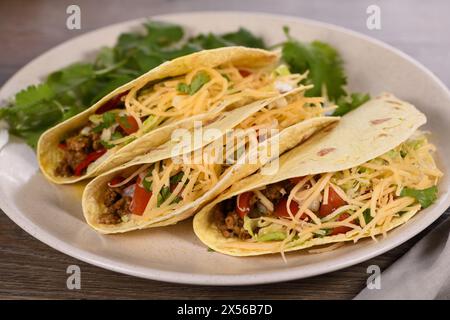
<point>347,104</point>
<point>367,216</point>
<point>324,64</point>
<point>425,197</point>
<point>107,145</point>
<point>163,195</point>
<point>196,84</point>
<point>242,37</point>
<point>108,119</point>
<point>176,178</point>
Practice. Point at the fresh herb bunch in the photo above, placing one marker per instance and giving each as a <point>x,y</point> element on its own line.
<point>68,91</point>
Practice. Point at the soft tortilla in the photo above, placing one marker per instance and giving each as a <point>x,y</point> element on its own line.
<point>49,155</point>
<point>288,138</point>
<point>364,134</point>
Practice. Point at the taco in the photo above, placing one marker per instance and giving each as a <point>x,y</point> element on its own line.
<point>165,186</point>
<point>142,114</point>
<point>369,174</point>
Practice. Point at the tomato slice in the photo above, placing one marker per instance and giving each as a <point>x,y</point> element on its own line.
<point>140,199</point>
<point>334,202</point>
<point>244,73</point>
<point>128,124</point>
<point>91,157</point>
<point>342,229</point>
<point>282,212</point>
<point>110,104</point>
<point>243,203</point>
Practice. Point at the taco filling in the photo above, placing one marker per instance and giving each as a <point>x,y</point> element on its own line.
<point>173,184</point>
<point>129,195</point>
<point>145,107</point>
<point>351,202</point>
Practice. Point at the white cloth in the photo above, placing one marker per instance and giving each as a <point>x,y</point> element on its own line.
<point>422,273</point>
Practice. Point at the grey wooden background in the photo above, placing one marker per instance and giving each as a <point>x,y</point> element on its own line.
<point>31,269</point>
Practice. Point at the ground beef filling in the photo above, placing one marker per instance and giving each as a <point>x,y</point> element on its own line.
<point>231,225</point>
<point>117,205</point>
<point>228,221</point>
<point>75,149</point>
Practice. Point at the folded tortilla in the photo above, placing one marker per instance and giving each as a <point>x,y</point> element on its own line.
<point>191,186</point>
<point>157,128</point>
<point>364,141</point>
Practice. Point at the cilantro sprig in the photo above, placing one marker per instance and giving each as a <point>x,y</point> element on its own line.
<point>67,92</point>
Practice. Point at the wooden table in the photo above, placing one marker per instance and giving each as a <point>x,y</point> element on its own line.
<point>31,269</point>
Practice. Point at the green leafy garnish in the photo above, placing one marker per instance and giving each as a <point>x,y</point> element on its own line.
<point>367,216</point>
<point>197,82</point>
<point>108,119</point>
<point>176,178</point>
<point>183,87</point>
<point>347,104</point>
<point>242,37</point>
<point>107,145</point>
<point>425,197</point>
<point>116,135</point>
<point>322,233</point>
<point>164,194</point>
<point>323,62</point>
<point>146,183</point>
<point>326,72</point>
<point>123,121</point>
<point>272,236</point>
<point>69,91</point>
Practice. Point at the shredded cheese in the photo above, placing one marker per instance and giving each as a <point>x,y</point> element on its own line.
<point>371,192</point>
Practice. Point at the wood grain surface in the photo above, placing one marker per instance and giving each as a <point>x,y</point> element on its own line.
<point>30,269</point>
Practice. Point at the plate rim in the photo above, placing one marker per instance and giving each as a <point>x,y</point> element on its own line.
<point>281,275</point>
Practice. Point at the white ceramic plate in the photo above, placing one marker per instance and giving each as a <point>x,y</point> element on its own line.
<point>53,214</point>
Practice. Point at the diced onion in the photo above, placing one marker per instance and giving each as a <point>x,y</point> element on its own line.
<point>129,191</point>
<point>283,87</point>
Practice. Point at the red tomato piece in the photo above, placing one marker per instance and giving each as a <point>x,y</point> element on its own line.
<point>140,199</point>
<point>128,124</point>
<point>111,103</point>
<point>243,203</point>
<point>334,202</point>
<point>91,157</point>
<point>282,212</point>
<point>339,230</point>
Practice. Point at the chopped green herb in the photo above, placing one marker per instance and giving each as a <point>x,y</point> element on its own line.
<point>347,104</point>
<point>272,236</point>
<point>425,197</point>
<point>197,82</point>
<point>147,184</point>
<point>322,233</point>
<point>176,178</point>
<point>107,145</point>
<point>183,88</point>
<point>123,121</point>
<point>163,195</point>
<point>367,216</point>
<point>116,135</point>
<point>108,119</point>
